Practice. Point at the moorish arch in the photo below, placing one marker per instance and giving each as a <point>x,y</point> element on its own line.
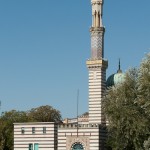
<point>77,143</point>
<point>77,146</point>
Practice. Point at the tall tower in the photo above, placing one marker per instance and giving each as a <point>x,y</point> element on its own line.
<point>97,65</point>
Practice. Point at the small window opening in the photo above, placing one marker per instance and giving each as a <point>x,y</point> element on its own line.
<point>22,130</point>
<point>33,130</point>
<point>44,130</point>
<point>30,146</point>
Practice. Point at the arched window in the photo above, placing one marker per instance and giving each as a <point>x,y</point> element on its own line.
<point>77,146</point>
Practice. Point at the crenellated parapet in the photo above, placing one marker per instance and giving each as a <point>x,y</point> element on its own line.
<point>79,126</point>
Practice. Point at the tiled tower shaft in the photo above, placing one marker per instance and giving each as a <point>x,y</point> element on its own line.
<point>96,65</point>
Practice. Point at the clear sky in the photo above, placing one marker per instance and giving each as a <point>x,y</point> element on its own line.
<point>44,45</point>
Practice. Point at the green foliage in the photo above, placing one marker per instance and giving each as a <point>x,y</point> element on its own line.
<point>127,108</point>
<point>41,114</point>
<point>6,129</point>
<point>144,85</point>
<point>44,114</point>
<point>147,144</point>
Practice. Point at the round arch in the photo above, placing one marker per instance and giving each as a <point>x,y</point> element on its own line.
<point>77,146</point>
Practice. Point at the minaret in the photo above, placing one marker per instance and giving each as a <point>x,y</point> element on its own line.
<point>97,65</point>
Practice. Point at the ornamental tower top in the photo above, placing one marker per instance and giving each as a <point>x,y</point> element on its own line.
<point>97,30</point>
<point>97,8</point>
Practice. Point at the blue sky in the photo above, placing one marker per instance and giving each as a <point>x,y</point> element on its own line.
<point>44,45</point>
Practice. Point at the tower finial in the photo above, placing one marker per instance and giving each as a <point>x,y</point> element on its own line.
<point>119,63</point>
<point>119,68</point>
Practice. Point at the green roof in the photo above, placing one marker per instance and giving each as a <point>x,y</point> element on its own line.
<point>116,78</point>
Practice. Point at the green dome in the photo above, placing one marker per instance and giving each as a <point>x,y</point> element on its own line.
<point>110,80</point>
<point>116,78</point>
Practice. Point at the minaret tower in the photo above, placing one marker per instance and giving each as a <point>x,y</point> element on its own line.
<point>97,65</point>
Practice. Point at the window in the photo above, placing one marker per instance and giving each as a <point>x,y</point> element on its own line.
<point>33,130</point>
<point>22,130</point>
<point>44,130</point>
<point>36,146</point>
<point>30,146</point>
<point>77,146</point>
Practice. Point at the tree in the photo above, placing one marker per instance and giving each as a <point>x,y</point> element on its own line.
<point>125,108</point>
<point>6,127</point>
<point>147,144</point>
<point>144,93</point>
<point>44,114</point>
<point>144,85</point>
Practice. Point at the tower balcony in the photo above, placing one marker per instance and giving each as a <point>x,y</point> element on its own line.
<point>97,63</point>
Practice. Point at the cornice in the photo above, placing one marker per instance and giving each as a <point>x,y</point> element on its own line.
<point>97,29</point>
<point>97,63</point>
<point>96,2</point>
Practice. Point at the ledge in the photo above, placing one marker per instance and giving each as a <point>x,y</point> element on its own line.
<point>97,29</point>
<point>100,63</point>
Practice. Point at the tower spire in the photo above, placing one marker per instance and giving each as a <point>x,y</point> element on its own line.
<point>119,63</point>
<point>119,68</point>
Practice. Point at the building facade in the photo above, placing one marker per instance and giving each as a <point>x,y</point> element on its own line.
<point>74,134</point>
<point>35,136</point>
